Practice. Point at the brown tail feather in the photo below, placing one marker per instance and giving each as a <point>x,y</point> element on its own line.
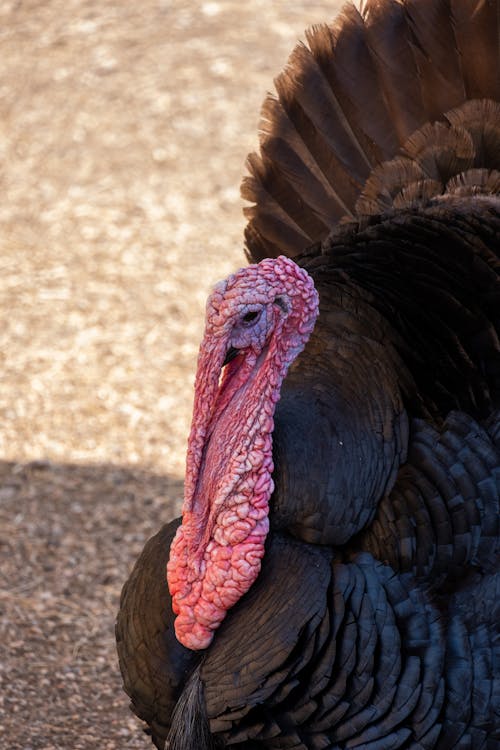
<point>392,49</point>
<point>311,105</point>
<point>467,144</point>
<point>359,96</point>
<point>347,61</point>
<point>476,26</point>
<point>275,188</point>
<point>482,120</point>
<point>437,56</point>
<point>475,181</point>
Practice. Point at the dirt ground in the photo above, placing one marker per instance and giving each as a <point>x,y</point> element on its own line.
<point>123,132</point>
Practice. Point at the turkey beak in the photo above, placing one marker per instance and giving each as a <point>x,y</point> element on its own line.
<point>231,353</point>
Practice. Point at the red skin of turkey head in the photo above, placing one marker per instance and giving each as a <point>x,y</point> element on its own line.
<point>260,318</point>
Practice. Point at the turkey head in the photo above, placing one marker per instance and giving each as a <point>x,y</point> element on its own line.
<point>257,322</point>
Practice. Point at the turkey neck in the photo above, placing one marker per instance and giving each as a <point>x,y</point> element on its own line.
<point>235,468</point>
<point>229,459</point>
<point>217,551</point>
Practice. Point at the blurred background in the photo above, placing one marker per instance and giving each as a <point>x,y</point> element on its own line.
<point>124,129</point>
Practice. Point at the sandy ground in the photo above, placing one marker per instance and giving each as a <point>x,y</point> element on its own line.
<point>123,132</point>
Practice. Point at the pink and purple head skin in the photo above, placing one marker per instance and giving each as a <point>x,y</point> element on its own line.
<point>257,322</point>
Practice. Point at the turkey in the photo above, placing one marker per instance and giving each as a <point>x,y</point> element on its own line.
<point>334,581</point>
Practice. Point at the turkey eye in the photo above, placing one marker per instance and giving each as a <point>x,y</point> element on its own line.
<point>281,303</point>
<point>249,316</point>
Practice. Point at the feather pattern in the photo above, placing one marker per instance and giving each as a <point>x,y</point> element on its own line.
<point>352,107</point>
<point>444,508</point>
<point>476,26</point>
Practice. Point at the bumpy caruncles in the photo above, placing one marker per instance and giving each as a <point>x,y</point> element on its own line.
<point>257,322</point>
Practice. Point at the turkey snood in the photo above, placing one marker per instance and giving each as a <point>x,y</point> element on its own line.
<point>257,322</point>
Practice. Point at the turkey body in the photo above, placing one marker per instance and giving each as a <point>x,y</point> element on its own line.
<point>374,620</point>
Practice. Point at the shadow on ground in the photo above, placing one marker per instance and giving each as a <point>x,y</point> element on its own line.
<point>69,535</point>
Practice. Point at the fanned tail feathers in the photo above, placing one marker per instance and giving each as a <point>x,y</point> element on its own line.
<point>391,105</point>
